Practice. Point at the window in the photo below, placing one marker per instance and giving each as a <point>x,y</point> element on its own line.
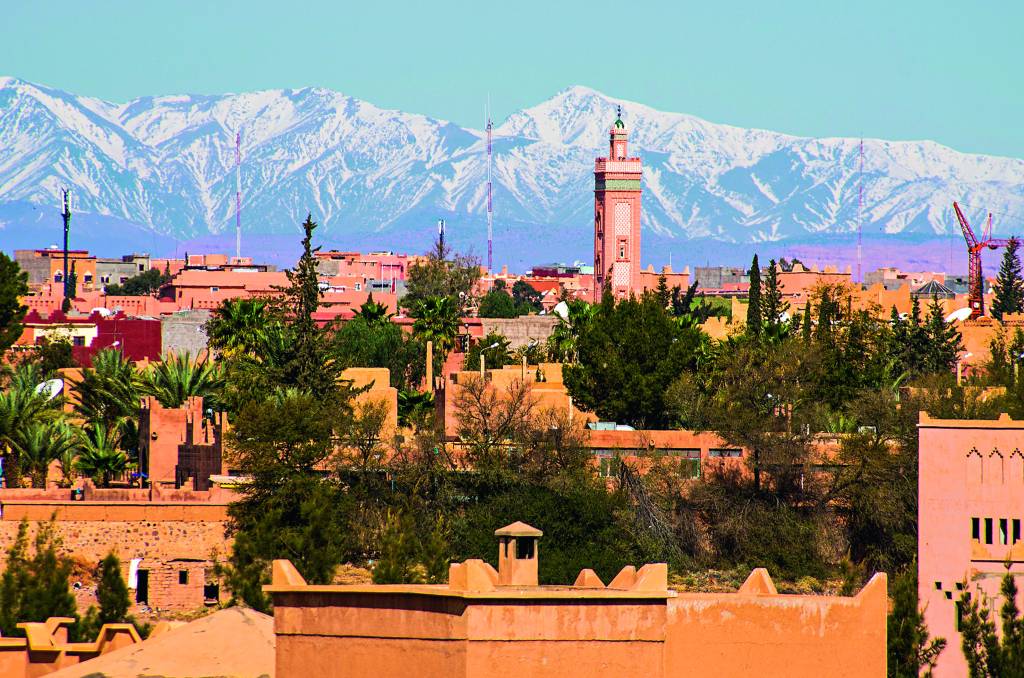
<point>724,452</point>
<point>1002,530</point>
<point>88,277</point>
<point>78,340</point>
<point>215,289</point>
<point>988,530</point>
<point>182,576</point>
<point>524,548</point>
<point>959,614</point>
<point>359,287</point>
<point>976,529</point>
<point>1016,530</point>
<point>938,586</point>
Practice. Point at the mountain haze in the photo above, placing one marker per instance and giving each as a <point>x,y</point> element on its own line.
<point>377,177</point>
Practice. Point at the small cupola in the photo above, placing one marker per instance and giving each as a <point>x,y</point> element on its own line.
<point>517,554</point>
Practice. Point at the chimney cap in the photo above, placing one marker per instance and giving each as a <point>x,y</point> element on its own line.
<point>518,529</point>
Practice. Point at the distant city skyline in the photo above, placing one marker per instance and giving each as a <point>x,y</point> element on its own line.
<point>908,71</point>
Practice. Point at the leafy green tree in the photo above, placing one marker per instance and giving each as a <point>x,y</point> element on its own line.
<point>13,286</point>
<point>54,354</point>
<point>35,588</point>
<point>910,648</point>
<point>496,350</point>
<point>112,592</point>
<point>526,297</point>
<point>754,312</point>
<point>177,378</point>
<point>989,654</point>
<point>1009,284</point>
<point>497,303</point>
<point>627,357</point>
<point>442,274</point>
<point>21,409</point>
<point>144,284</point>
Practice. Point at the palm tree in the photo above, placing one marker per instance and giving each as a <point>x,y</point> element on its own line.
<point>98,455</point>
<point>108,397</point>
<point>565,336</point>
<point>437,320</point>
<point>43,443</point>
<point>20,409</point>
<point>179,378</point>
<point>240,326</point>
<point>373,313</point>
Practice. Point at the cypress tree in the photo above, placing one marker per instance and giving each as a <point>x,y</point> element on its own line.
<point>806,324</point>
<point>772,303</point>
<point>942,341</point>
<point>910,647</point>
<point>664,297</point>
<point>754,316</point>
<point>112,592</point>
<point>13,286</point>
<point>1009,285</point>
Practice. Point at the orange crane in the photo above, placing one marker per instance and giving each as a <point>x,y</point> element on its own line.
<point>975,277</point>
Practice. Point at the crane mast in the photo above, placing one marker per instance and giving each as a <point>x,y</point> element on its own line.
<point>975,273</point>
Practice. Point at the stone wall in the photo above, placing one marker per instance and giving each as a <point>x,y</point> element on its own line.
<point>184,332</point>
<point>158,532</point>
<point>522,330</point>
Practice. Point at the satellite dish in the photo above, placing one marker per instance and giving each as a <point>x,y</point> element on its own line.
<point>959,315</point>
<point>50,388</point>
<point>104,312</point>
<point>561,309</point>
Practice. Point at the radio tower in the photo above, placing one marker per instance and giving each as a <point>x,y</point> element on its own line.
<point>860,211</point>
<point>490,211</point>
<point>238,194</point>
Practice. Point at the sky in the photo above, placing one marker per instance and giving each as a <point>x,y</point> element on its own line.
<point>893,69</point>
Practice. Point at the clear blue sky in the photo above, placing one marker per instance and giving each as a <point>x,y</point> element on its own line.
<point>896,69</point>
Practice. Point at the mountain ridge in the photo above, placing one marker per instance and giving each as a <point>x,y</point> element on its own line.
<point>374,175</point>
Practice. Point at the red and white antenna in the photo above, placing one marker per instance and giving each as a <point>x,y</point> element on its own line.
<point>490,209</point>
<point>860,212</point>
<point>238,194</point>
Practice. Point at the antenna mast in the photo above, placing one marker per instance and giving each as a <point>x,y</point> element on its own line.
<point>66,214</point>
<point>490,210</point>
<point>860,211</point>
<point>238,194</point>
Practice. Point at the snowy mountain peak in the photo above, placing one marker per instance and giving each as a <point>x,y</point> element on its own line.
<point>166,163</point>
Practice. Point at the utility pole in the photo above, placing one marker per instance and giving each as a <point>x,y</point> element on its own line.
<point>238,194</point>
<point>490,210</point>
<point>860,212</point>
<point>67,227</point>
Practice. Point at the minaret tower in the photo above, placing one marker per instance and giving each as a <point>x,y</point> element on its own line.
<point>617,216</point>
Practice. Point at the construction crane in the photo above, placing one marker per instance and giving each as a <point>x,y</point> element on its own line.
<point>975,277</point>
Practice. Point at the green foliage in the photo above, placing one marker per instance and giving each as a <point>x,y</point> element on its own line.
<point>755,316</point>
<point>563,344</point>
<point>409,555</point>
<point>144,284</point>
<point>910,648</point>
<point>627,357</point>
<point>526,297</point>
<point>99,457</point>
<point>54,354</point>
<point>990,654</point>
<point>773,306</point>
<point>13,286</point>
<point>177,378</point>
<point>35,588</point>
<point>437,320</point>
<point>495,349</point>
<point>1009,284</point>
<point>108,399</point>
<point>113,598</point>
<point>442,275</point>
<point>372,341</point>
<point>41,443</point>
<point>241,326</point>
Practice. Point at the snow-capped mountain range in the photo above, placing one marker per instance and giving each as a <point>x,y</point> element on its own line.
<point>372,176</point>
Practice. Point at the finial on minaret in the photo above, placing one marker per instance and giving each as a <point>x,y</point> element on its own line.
<point>618,111</point>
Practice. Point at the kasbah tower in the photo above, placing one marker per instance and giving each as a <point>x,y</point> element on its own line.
<point>617,216</point>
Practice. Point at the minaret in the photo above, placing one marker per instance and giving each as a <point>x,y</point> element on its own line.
<point>617,216</point>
